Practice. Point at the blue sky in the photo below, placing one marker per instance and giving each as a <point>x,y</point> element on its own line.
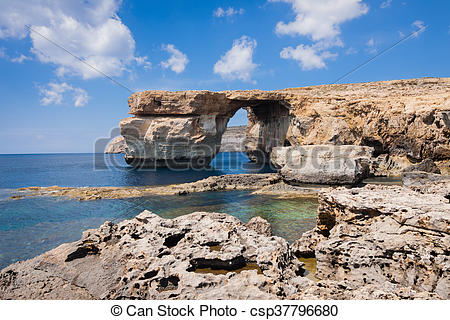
<point>51,102</point>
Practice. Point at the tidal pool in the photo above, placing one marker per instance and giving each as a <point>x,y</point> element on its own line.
<point>31,226</point>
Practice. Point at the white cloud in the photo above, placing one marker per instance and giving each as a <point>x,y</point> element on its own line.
<point>419,26</point>
<point>237,63</point>
<point>308,57</point>
<point>177,61</point>
<point>143,61</point>
<point>89,29</point>
<point>386,4</point>
<point>320,21</point>
<point>21,58</point>
<point>220,12</point>
<point>370,46</point>
<point>351,50</point>
<point>54,93</point>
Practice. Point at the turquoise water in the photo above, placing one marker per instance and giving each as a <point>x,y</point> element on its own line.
<point>31,226</point>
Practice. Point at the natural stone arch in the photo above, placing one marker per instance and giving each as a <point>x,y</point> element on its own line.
<point>174,129</point>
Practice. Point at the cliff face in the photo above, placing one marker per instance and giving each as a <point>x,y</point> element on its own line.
<point>233,139</point>
<point>405,119</point>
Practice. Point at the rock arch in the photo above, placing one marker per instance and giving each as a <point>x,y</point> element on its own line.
<point>184,129</point>
<point>405,120</point>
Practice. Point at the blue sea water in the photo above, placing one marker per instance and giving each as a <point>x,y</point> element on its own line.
<point>96,169</point>
<point>31,226</point>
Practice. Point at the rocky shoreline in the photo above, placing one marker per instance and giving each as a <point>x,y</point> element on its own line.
<point>266,183</point>
<point>373,242</point>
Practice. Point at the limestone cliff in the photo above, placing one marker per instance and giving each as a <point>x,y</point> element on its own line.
<point>403,119</point>
<point>233,139</point>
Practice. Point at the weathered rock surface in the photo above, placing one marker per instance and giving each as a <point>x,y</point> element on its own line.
<point>323,164</point>
<point>156,141</point>
<point>213,183</point>
<point>233,139</point>
<point>405,119</point>
<point>380,235</point>
<point>117,145</point>
<point>424,182</point>
<point>197,256</point>
<point>426,165</point>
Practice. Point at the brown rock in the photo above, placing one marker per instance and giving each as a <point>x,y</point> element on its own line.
<point>401,118</point>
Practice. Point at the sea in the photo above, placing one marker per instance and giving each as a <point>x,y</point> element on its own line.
<point>31,226</point>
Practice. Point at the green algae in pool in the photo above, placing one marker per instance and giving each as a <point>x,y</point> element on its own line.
<point>311,267</point>
<point>31,226</point>
<point>248,266</point>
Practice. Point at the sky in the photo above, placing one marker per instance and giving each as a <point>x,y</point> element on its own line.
<point>52,102</point>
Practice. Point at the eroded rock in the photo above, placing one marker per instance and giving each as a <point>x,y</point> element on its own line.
<point>323,164</point>
<point>407,120</point>
<point>382,234</point>
<point>197,256</point>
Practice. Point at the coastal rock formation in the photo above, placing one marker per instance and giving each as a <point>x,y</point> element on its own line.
<point>380,235</point>
<point>197,256</point>
<point>405,120</point>
<point>117,145</point>
<point>233,139</point>
<point>322,164</point>
<point>213,183</point>
<point>424,182</point>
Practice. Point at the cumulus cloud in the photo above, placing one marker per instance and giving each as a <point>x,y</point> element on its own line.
<point>55,93</point>
<point>385,4</point>
<point>177,61</point>
<point>308,57</point>
<point>319,21</point>
<point>420,26</point>
<point>90,30</point>
<point>220,12</point>
<point>237,63</point>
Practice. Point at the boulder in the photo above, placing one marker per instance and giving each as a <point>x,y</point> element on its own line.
<point>323,164</point>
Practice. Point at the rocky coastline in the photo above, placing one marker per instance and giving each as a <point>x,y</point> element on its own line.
<point>405,121</point>
<point>371,242</point>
